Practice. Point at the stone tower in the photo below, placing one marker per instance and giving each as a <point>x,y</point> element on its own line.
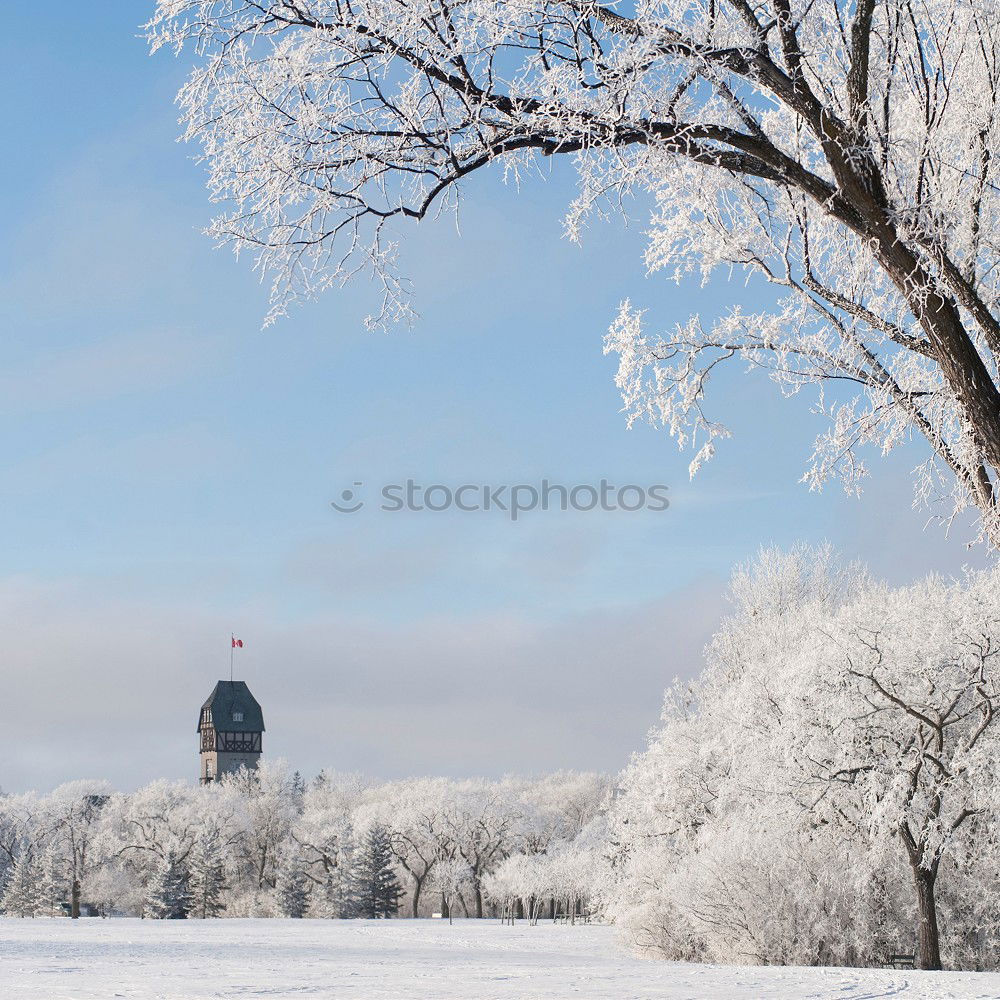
<point>230,729</point>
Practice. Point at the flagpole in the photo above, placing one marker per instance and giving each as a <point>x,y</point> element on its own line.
<point>232,651</point>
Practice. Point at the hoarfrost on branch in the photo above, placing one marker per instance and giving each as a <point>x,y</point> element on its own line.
<point>843,151</point>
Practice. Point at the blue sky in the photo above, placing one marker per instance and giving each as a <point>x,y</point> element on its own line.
<point>167,467</point>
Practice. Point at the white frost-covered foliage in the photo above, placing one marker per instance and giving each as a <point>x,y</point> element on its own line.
<point>262,844</point>
<point>826,792</point>
<point>843,150</point>
<point>566,880</point>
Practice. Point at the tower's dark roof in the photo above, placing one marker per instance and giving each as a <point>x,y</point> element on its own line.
<point>233,696</point>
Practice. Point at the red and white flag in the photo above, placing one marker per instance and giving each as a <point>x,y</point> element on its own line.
<point>237,643</point>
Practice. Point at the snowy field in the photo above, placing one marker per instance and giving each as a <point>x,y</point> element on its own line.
<point>404,960</point>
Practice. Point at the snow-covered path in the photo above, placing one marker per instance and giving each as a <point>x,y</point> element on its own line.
<point>403,960</point>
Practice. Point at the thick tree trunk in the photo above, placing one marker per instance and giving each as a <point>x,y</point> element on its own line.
<point>961,364</point>
<point>939,316</point>
<point>928,939</point>
<point>415,902</point>
<point>479,902</point>
<point>74,905</point>
<point>937,311</point>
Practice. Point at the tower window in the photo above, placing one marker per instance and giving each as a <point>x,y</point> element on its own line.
<point>237,716</point>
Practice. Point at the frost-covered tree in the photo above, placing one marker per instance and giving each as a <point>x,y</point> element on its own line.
<point>115,889</point>
<point>291,890</point>
<point>909,684</point>
<point>267,801</point>
<point>51,881</point>
<point>483,821</point>
<point>162,817</point>
<point>168,895</point>
<point>519,881</point>
<point>334,898</point>
<point>823,790</point>
<point>22,896</point>
<point>75,825</point>
<point>413,811</point>
<point>376,888</point>
<point>323,835</point>
<point>558,807</point>
<point>569,875</point>
<point>207,871</point>
<point>717,858</point>
<point>842,150</point>
<point>451,878</point>
<point>22,829</point>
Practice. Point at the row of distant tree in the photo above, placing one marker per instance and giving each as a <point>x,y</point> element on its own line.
<point>265,843</point>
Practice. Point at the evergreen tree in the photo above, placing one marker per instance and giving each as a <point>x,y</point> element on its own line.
<point>21,897</point>
<point>207,877</point>
<point>168,895</point>
<point>376,888</point>
<point>334,900</point>
<point>290,890</point>
<point>50,882</point>
<point>6,874</point>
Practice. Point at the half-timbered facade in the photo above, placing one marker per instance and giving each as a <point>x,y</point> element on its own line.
<point>230,730</point>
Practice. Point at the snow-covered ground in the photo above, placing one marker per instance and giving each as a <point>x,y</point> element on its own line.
<point>403,960</point>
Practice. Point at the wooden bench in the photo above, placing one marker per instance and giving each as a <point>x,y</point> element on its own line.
<point>901,961</point>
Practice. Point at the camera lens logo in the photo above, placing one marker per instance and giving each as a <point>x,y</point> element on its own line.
<point>350,502</point>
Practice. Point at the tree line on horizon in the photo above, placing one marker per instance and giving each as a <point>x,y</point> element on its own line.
<point>264,843</point>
